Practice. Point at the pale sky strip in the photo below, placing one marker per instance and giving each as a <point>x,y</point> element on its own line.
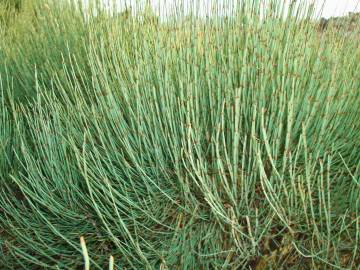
<point>202,8</point>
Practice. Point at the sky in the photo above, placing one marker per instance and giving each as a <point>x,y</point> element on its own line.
<point>327,8</point>
<point>339,7</point>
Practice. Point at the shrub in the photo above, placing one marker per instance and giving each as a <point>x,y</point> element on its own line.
<point>201,144</point>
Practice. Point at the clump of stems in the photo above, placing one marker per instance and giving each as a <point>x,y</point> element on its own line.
<point>226,142</point>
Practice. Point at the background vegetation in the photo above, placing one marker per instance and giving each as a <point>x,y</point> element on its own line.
<point>194,143</point>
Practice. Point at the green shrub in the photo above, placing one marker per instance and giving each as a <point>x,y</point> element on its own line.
<point>224,143</point>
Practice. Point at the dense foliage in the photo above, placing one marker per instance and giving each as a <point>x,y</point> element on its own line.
<point>218,143</point>
<point>344,23</point>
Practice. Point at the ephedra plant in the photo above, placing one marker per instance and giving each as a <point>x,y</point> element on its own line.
<point>190,142</point>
